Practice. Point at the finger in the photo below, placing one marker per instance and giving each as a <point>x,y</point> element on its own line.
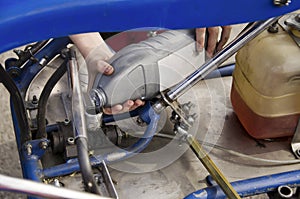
<point>226,30</point>
<point>212,40</point>
<point>104,67</point>
<point>200,39</point>
<point>137,103</point>
<point>113,110</point>
<point>127,105</point>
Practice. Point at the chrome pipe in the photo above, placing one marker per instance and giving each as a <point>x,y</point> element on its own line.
<point>247,35</point>
<point>78,110</point>
<point>285,191</point>
<point>79,126</point>
<point>41,190</point>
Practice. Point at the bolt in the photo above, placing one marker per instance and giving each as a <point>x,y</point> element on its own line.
<point>66,121</point>
<point>14,72</point>
<point>191,119</point>
<point>57,183</point>
<point>29,149</point>
<point>152,33</point>
<point>174,117</point>
<point>64,53</point>
<point>71,140</point>
<point>282,2</point>
<point>89,184</point>
<point>34,100</point>
<point>187,107</point>
<point>43,145</point>
<point>273,28</point>
<point>140,122</point>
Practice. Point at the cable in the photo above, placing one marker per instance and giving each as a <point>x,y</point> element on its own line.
<point>274,162</point>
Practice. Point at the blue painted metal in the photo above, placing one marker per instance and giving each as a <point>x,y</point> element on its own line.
<point>22,22</point>
<point>30,69</point>
<point>252,186</point>
<point>52,127</point>
<point>148,115</point>
<point>27,21</point>
<point>221,72</point>
<point>31,161</point>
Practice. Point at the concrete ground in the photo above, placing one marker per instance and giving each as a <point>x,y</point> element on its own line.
<point>9,161</point>
<point>130,186</point>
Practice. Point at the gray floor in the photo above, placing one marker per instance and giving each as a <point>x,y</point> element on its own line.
<point>186,174</point>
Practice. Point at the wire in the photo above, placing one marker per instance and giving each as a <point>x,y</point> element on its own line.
<point>274,162</point>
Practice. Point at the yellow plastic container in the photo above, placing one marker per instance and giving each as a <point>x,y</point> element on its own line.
<point>266,85</point>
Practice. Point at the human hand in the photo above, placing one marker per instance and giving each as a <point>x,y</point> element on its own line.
<point>213,45</point>
<point>97,63</point>
<point>96,53</point>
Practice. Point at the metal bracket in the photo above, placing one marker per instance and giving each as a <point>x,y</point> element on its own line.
<point>177,109</point>
<point>295,144</point>
<point>284,22</point>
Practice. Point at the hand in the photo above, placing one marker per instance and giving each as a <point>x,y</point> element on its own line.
<point>213,45</point>
<point>97,63</point>
<point>96,53</point>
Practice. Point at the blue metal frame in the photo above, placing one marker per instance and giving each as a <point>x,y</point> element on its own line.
<point>250,187</point>
<point>22,22</point>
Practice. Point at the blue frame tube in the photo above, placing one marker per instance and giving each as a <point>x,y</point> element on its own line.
<point>30,162</point>
<point>148,115</point>
<point>30,70</point>
<point>252,186</point>
<point>23,22</point>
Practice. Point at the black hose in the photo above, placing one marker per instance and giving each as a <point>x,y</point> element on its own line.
<point>41,115</point>
<point>85,166</point>
<point>18,106</point>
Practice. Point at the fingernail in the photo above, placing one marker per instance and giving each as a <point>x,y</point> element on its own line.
<point>108,70</point>
<point>130,102</point>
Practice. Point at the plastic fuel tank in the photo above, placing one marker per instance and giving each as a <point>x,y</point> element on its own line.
<point>265,92</point>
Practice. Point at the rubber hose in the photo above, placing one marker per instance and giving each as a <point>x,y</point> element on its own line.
<point>41,115</point>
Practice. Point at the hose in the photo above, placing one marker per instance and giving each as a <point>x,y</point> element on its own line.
<point>85,167</point>
<point>41,114</point>
<point>18,108</point>
<point>273,162</point>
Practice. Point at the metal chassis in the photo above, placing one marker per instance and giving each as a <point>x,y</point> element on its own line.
<point>29,150</point>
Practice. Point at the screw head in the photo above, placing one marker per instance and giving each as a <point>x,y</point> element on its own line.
<point>282,2</point>
<point>44,145</point>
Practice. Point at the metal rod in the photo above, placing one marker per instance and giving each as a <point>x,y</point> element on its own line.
<point>42,190</point>
<point>247,35</point>
<point>212,168</point>
<point>79,126</point>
